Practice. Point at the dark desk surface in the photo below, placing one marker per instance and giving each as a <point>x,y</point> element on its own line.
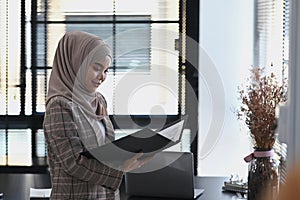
<point>16,187</point>
<point>212,190</point>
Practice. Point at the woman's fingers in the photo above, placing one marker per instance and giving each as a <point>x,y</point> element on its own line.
<point>134,162</point>
<point>145,160</point>
<point>137,155</point>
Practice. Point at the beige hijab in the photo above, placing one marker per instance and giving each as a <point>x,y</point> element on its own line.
<point>76,51</point>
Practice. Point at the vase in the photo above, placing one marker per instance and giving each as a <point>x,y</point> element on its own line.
<point>263,175</point>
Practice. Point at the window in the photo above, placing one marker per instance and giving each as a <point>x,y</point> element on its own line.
<point>149,48</point>
<point>272,35</point>
<point>271,47</point>
<point>142,38</point>
<point>235,35</point>
<point>132,41</point>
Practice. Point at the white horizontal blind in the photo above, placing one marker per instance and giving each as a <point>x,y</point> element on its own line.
<point>285,63</point>
<point>271,35</point>
<point>9,57</point>
<point>271,47</point>
<point>264,25</point>
<point>16,146</point>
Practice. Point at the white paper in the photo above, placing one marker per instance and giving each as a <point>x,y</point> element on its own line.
<point>173,132</point>
<point>44,192</point>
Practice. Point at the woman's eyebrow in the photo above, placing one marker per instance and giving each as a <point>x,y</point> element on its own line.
<point>99,64</point>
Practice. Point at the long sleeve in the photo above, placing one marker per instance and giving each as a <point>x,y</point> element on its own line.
<point>65,146</point>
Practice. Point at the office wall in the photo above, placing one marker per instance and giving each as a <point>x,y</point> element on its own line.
<point>226,35</point>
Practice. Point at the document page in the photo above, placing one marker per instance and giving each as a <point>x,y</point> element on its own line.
<point>173,132</point>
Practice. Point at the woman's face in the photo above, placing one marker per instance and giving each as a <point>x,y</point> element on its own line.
<point>96,74</point>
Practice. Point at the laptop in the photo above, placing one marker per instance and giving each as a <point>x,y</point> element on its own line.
<point>167,175</point>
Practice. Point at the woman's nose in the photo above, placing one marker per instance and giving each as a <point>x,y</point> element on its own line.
<point>101,76</point>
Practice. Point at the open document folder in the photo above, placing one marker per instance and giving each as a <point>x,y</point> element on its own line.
<point>146,140</point>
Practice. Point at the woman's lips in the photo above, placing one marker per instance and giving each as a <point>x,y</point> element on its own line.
<point>97,83</point>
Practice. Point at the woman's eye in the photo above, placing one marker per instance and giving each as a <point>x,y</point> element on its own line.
<point>96,68</point>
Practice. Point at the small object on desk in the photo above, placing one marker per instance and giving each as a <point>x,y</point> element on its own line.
<point>237,186</point>
<point>1,196</point>
<point>43,193</point>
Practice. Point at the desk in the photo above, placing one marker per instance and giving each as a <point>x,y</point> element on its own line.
<point>16,187</point>
<point>212,190</point>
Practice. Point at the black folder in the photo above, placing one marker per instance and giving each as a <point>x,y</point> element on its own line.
<point>145,140</point>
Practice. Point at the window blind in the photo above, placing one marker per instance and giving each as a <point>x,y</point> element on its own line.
<point>264,23</point>
<point>285,62</point>
<point>16,147</point>
<point>271,48</point>
<point>10,57</point>
<point>271,35</point>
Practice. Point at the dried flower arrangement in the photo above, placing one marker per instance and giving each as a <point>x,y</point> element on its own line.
<point>258,110</point>
<point>259,101</point>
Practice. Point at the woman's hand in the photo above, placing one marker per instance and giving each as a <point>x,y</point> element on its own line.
<point>134,162</point>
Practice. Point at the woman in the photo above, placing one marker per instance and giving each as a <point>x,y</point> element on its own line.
<point>76,120</point>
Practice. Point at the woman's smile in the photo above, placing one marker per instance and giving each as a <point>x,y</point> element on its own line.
<point>96,83</point>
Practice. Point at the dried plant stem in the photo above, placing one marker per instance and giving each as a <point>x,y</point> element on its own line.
<point>259,100</point>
